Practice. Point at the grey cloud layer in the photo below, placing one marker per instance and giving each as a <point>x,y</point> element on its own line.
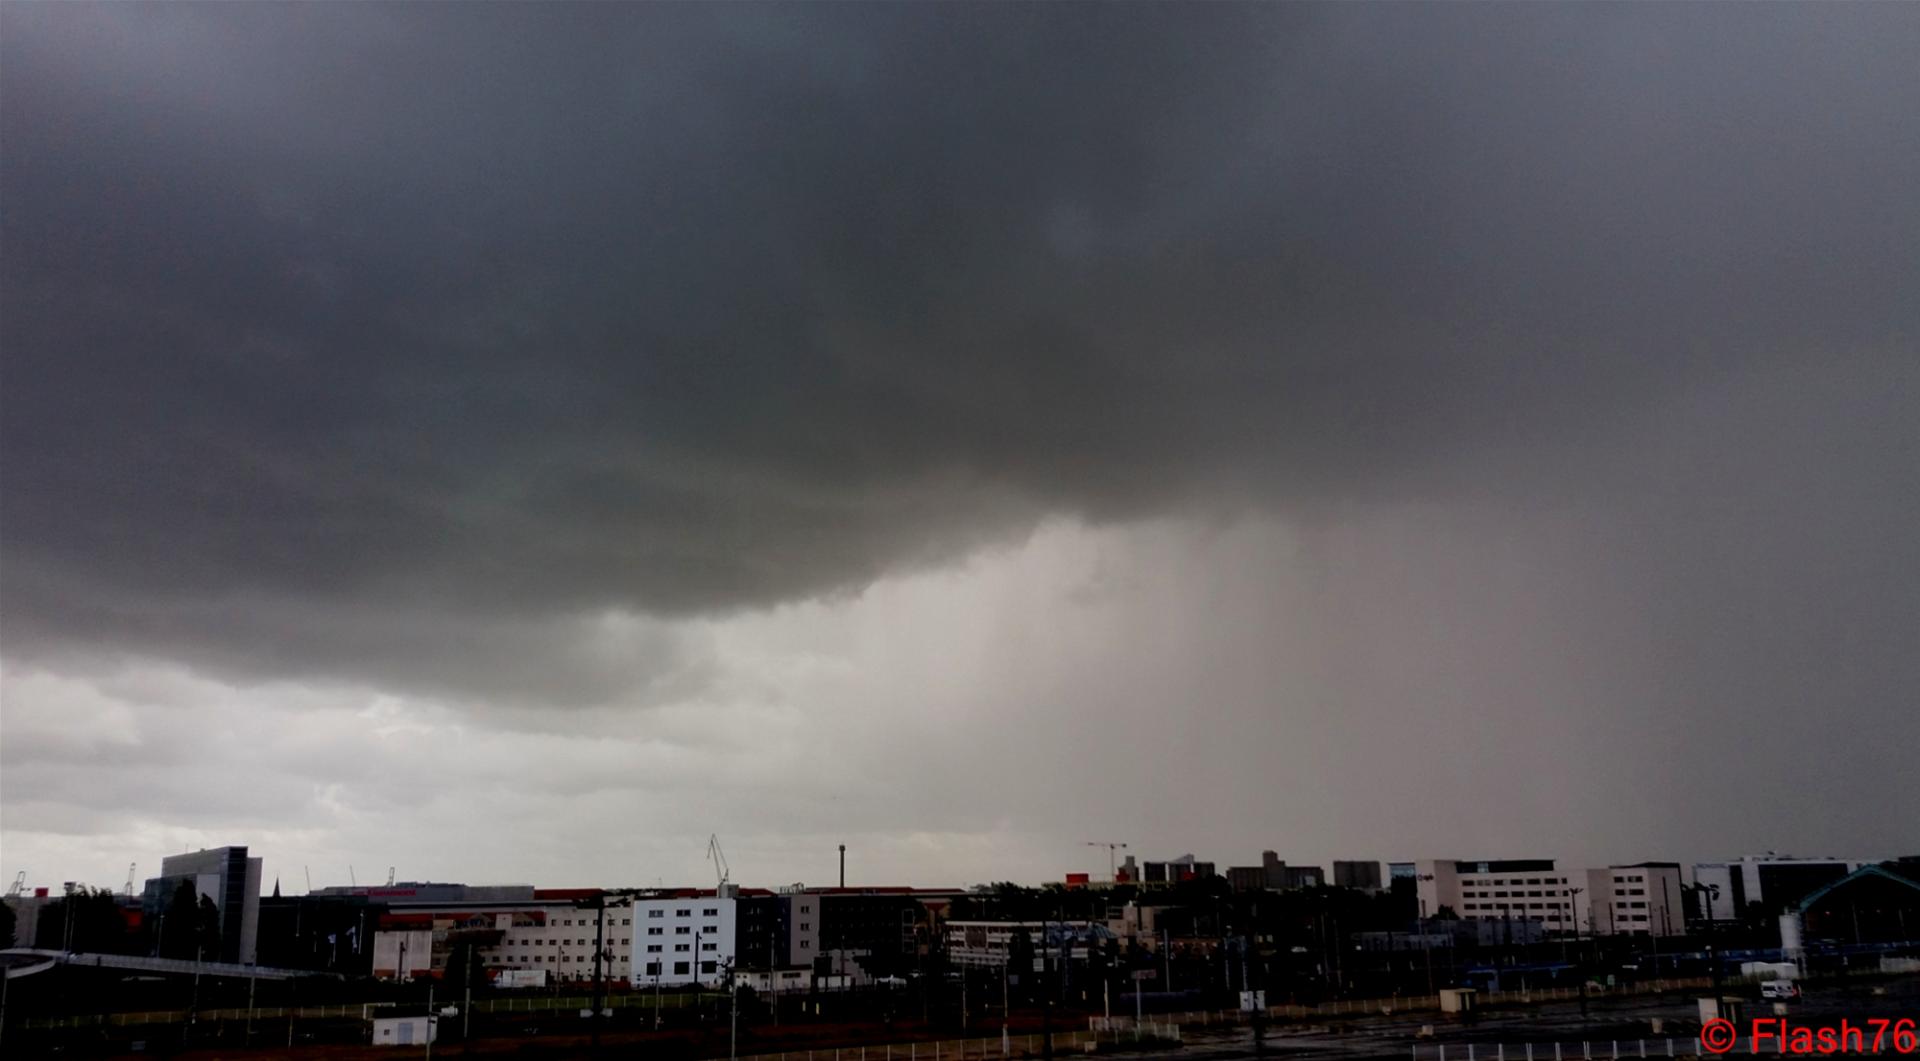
<point>368,341</point>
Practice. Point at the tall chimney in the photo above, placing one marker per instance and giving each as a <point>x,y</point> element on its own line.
<point>843,865</point>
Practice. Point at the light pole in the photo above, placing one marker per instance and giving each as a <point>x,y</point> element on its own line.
<point>1580,967</point>
<point>1426,944</point>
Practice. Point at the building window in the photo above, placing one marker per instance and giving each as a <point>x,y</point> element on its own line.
<point>653,968</point>
<point>682,948</point>
<point>806,926</point>
<point>656,913</point>
<point>653,948</point>
<point>710,912</point>
<point>706,967</point>
<point>709,946</point>
<point>683,913</point>
<point>626,920</point>
<point>655,930</point>
<point>682,930</point>
<point>679,968</point>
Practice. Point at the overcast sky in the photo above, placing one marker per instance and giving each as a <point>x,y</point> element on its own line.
<point>510,443</point>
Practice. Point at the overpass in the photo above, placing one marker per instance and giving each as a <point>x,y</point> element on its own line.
<point>23,961</point>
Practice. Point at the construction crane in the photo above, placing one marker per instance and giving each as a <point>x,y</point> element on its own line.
<point>720,867</point>
<point>1113,872</point>
<point>19,887</point>
<point>131,866</point>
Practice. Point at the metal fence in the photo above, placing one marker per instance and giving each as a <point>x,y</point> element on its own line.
<point>1573,1050</point>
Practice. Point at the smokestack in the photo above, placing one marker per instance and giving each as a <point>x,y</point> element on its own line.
<point>843,865</point>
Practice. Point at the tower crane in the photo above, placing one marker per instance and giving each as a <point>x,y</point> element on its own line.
<point>19,885</point>
<point>720,867</point>
<point>1113,872</point>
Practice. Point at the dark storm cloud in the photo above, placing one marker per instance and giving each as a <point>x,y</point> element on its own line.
<point>343,338</point>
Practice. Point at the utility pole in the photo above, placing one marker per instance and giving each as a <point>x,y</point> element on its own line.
<point>1046,995</point>
<point>623,897</point>
<point>843,865</point>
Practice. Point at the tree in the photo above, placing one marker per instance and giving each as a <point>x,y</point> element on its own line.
<point>85,921</point>
<point>179,929</point>
<point>208,928</point>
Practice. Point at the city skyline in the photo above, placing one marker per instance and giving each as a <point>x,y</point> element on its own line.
<point>513,440</point>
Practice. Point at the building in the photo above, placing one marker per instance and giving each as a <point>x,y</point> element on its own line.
<point>1273,874</point>
<point>1362,875</point>
<point>870,933</point>
<point>224,875</point>
<point>331,934</point>
<point>686,938</point>
<point>1284,878</point>
<point>991,943</point>
<point>1876,907</point>
<point>1638,900</point>
<point>553,930</point>
<point>1186,867</point>
<point>1503,890</point>
<point>1723,891</point>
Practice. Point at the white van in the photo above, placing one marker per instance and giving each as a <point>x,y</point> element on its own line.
<point>1779,989</point>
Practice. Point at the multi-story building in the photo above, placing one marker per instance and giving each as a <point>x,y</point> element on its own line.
<point>1724,890</point>
<point>1273,874</point>
<point>992,943</point>
<point>1505,890</point>
<point>1186,867</point>
<point>555,930</point>
<point>1637,900</point>
<point>227,877</point>
<point>1362,875</point>
<point>689,937</point>
<point>875,932</point>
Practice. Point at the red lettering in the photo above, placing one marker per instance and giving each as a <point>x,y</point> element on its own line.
<point>1801,1041</point>
<point>1850,1038</point>
<point>1762,1031</point>
<point>1879,1026</point>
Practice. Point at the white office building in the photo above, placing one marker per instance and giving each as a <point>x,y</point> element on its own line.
<point>682,940</point>
<point>1504,890</point>
<point>1638,900</point>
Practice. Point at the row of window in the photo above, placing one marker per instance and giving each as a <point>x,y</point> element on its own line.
<point>679,968</point>
<point>711,911</point>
